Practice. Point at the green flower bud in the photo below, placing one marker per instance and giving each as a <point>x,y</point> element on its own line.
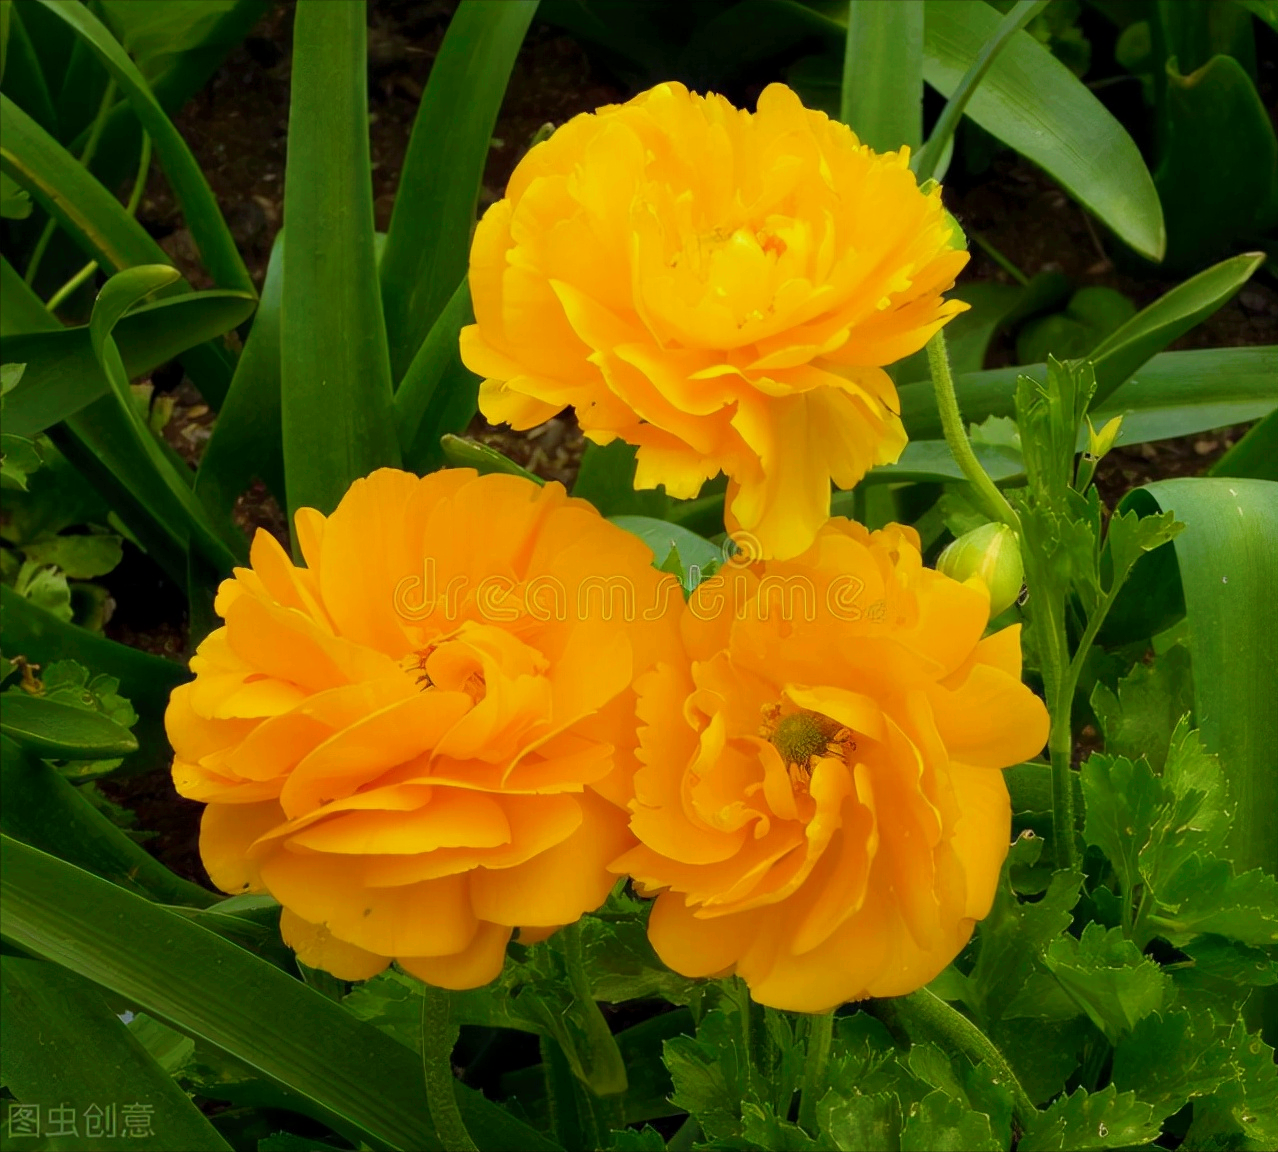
<point>993,553</point>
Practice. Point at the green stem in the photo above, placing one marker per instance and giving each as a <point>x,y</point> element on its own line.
<point>135,198</point>
<point>86,158</point>
<point>1013,22</point>
<point>820,1033</point>
<point>439,1035</point>
<point>995,502</point>
<point>1002,261</point>
<point>597,1052</point>
<point>923,1016</point>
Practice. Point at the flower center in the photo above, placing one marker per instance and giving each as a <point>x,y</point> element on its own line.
<point>800,737</point>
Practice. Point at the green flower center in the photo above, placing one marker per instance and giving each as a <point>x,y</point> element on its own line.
<point>802,735</point>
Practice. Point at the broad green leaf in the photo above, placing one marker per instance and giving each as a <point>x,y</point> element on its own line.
<point>882,99</point>
<point>1217,174</point>
<point>464,453</point>
<point>1255,455</point>
<point>1228,557</point>
<point>362,1083</point>
<point>57,731</point>
<point>932,460</point>
<point>44,810</point>
<point>428,241</point>
<point>15,204</point>
<point>246,438</point>
<point>165,37</point>
<point>1246,1105</point>
<point>606,479</point>
<point>438,394</point>
<point>1034,104</point>
<point>1107,976</point>
<point>1204,897</point>
<point>1174,394</point>
<point>80,557</point>
<point>199,207</point>
<point>1266,10</point>
<point>64,375</point>
<point>1170,316</point>
<point>664,538</point>
<point>1080,1121</point>
<point>21,310</point>
<point>145,679</point>
<point>65,1048</point>
<point>336,402</point>
<point>1091,315</point>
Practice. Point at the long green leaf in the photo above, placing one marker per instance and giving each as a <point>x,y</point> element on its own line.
<point>438,394</point>
<point>56,731</point>
<point>63,376</point>
<point>64,1046</point>
<point>1175,394</point>
<point>199,207</point>
<point>25,76</point>
<point>1020,14</point>
<point>429,236</point>
<point>1166,319</point>
<point>1034,104</point>
<point>246,439</point>
<point>96,222</point>
<point>1228,557</point>
<point>337,411</point>
<point>365,1083</point>
<point>147,470</point>
<point>44,810</point>
<point>882,98</point>
<point>1255,455</point>
<point>21,310</point>
<point>93,217</point>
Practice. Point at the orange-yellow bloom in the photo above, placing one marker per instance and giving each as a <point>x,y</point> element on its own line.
<point>820,805</point>
<point>719,288</point>
<point>424,738</point>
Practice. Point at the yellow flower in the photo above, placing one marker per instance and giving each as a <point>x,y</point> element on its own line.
<point>424,738</point>
<point>719,288</point>
<point>820,805</point>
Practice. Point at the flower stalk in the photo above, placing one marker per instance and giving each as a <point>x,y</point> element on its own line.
<point>820,1033</point>
<point>439,1035</point>
<point>996,505</point>
<point>924,1016</point>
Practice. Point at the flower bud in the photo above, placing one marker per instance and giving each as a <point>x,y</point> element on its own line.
<point>1099,443</point>
<point>993,553</point>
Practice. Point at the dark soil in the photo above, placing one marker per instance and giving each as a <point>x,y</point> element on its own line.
<point>237,128</point>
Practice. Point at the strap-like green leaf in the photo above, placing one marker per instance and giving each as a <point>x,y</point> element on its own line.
<point>56,731</point>
<point>360,1081</point>
<point>336,388</point>
<point>65,1048</point>
<point>1037,106</point>
<point>63,376</point>
<point>883,74</point>
<point>1174,394</point>
<point>429,235</point>
<point>44,810</point>
<point>199,207</point>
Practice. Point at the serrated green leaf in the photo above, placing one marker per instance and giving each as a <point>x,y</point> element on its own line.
<point>1204,896</point>
<point>645,1139</point>
<point>709,1075</point>
<point>939,1123</point>
<point>1108,977</point>
<point>1081,1121</point>
<point>1123,798</point>
<point>1218,975</point>
<point>763,1128</point>
<point>1246,1105</point>
<point>1138,719</point>
<point>1169,1059</point>
<point>1130,536</point>
<point>861,1123</point>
